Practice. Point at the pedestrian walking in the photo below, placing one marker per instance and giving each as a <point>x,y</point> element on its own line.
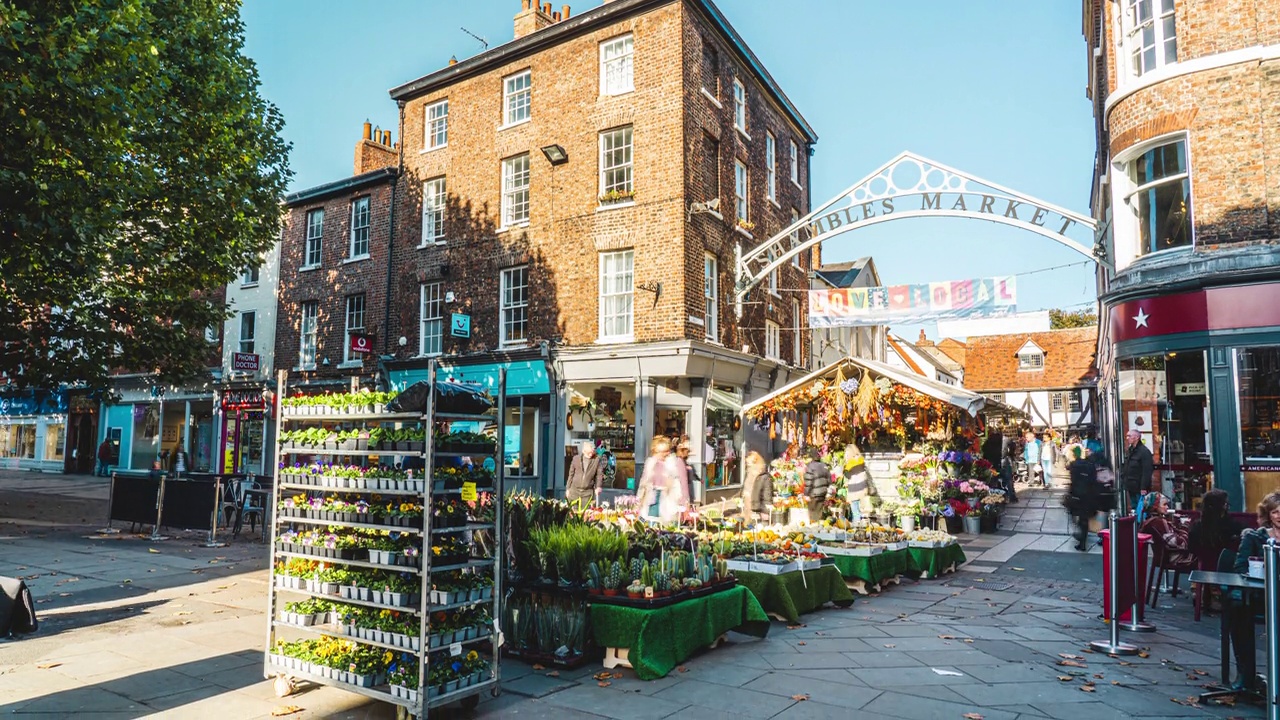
<point>1008,471</point>
<point>1048,454</point>
<point>104,459</point>
<point>757,489</point>
<point>817,480</point>
<point>1082,495</point>
<point>586,475</point>
<point>181,461</point>
<point>654,497</point>
<point>1031,456</point>
<point>1136,474</point>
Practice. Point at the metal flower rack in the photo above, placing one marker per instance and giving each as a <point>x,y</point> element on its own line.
<point>330,514</point>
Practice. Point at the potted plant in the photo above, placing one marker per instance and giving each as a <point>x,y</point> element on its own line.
<point>973,521</point>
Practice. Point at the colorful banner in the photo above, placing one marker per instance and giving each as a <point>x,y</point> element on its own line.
<point>922,302</point>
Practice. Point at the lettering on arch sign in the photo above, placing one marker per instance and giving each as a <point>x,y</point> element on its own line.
<point>919,302</point>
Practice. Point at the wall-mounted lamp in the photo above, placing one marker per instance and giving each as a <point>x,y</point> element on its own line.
<point>737,423</point>
<point>556,155</point>
<point>568,420</point>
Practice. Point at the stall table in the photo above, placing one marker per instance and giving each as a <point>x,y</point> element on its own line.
<point>870,573</point>
<point>787,596</point>
<point>934,562</point>
<point>1244,584</point>
<point>655,641</point>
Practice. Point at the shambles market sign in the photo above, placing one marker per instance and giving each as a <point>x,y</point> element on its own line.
<point>851,307</point>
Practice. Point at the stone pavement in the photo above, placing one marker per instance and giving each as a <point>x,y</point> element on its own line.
<point>137,629</point>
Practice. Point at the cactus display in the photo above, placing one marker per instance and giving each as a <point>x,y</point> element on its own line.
<point>594,580</point>
<point>646,576</point>
<point>660,581</point>
<point>614,581</point>
<point>637,568</point>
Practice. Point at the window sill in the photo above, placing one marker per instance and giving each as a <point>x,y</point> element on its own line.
<point>617,93</point>
<point>798,185</point>
<point>716,214</point>
<point>517,226</point>
<point>518,123</point>
<point>773,293</point>
<point>616,340</point>
<point>308,268</point>
<point>305,368</point>
<point>433,243</point>
<point>773,202</point>
<point>743,231</point>
<point>248,286</point>
<point>615,206</point>
<point>513,345</point>
<point>358,258</point>
<point>707,94</point>
<point>429,355</point>
<point>424,151</point>
<point>350,364</point>
<point>742,132</point>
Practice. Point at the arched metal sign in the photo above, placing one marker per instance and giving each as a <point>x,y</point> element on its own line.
<point>910,186</point>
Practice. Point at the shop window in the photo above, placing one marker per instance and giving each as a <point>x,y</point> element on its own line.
<point>1259,374</point>
<point>18,441</point>
<point>1164,399</point>
<point>55,439</point>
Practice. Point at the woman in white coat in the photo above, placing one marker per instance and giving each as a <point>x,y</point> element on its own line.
<point>656,483</point>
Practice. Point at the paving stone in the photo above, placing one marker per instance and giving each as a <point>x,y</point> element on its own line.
<point>609,703</point>
<point>810,710</point>
<point>923,675</point>
<point>1027,693</point>
<point>939,658</point>
<point>720,674</point>
<point>807,660</point>
<point>536,685</point>
<point>1078,711</point>
<point>742,702</point>
<point>849,696</point>
<point>900,705</point>
<point>882,659</point>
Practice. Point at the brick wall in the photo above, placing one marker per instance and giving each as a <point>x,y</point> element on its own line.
<point>1231,116</point>
<point>568,227</point>
<point>335,280</point>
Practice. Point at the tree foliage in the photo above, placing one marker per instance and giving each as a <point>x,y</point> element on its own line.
<point>1062,319</point>
<point>141,171</point>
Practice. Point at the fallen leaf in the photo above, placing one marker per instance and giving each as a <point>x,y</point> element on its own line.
<point>64,594</point>
<point>1071,663</point>
<point>802,643</point>
<point>46,666</point>
<point>972,716</point>
<point>946,637</point>
<point>617,675</point>
<point>1087,688</point>
<point>125,582</point>
<point>1066,678</point>
<point>969,640</point>
<point>1018,569</point>
<point>183,612</point>
<point>554,673</point>
<point>283,710</point>
<point>1201,672</point>
<point>605,675</point>
<point>891,645</point>
<point>1069,656</point>
<point>1098,675</point>
<point>799,698</point>
<point>1144,654</point>
<point>153,550</point>
<point>604,683</point>
<point>1124,662</point>
<point>1115,682</point>
<point>683,669</point>
<point>538,667</point>
<point>946,673</point>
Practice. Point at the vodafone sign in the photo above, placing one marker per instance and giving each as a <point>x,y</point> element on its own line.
<point>361,343</point>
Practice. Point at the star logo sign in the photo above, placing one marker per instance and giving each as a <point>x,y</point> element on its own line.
<point>1140,320</point>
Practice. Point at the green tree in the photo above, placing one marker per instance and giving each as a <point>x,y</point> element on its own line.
<point>1061,319</point>
<point>141,171</point>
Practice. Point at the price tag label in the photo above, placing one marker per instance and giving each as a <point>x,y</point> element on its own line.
<point>455,649</point>
<point>469,492</point>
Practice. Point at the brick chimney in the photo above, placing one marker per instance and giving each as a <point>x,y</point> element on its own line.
<point>374,150</point>
<point>924,341</point>
<point>534,16</point>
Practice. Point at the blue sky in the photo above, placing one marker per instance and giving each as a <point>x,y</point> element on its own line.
<point>991,87</point>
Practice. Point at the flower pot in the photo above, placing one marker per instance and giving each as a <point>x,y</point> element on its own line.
<point>908,522</point>
<point>451,686</point>
<point>990,522</point>
<point>363,593</point>
<point>955,524</point>
<point>608,592</point>
<point>972,524</point>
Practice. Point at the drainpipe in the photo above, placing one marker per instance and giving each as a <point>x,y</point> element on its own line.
<point>391,244</point>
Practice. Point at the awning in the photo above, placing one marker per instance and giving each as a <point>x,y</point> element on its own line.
<point>524,377</point>
<point>721,400</point>
<point>966,400</point>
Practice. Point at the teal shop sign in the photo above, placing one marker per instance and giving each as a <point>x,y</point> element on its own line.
<point>460,325</point>
<point>525,377</point>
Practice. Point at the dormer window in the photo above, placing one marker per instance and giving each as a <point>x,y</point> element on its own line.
<point>1030,357</point>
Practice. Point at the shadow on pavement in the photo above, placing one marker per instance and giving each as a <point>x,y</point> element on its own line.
<point>55,623</point>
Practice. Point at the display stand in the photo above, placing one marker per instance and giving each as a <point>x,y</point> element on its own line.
<point>425,648</point>
<point>789,595</point>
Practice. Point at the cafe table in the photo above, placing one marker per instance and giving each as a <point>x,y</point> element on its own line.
<point>1234,581</point>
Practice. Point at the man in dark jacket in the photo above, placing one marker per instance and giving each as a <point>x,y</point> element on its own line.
<point>993,448</point>
<point>586,475</point>
<point>817,479</point>
<point>1083,496</point>
<point>1137,468</point>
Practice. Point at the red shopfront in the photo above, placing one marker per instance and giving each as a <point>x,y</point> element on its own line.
<point>1197,374</point>
<point>246,424</point>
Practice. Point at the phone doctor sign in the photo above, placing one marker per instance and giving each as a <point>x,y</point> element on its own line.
<point>920,302</point>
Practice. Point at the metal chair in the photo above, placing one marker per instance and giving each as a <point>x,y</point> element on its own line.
<point>248,506</point>
<point>230,500</point>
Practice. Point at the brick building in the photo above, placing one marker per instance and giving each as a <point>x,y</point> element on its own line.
<point>570,207</point>
<point>1186,100</point>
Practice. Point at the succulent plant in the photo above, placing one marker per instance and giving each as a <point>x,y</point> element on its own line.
<point>614,581</point>
<point>593,574</point>
<point>637,568</point>
<point>661,581</point>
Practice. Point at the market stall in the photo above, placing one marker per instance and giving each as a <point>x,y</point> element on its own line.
<point>787,596</point>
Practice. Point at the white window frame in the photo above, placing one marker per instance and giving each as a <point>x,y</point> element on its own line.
<point>795,332</point>
<point>430,319</point>
<point>771,166</point>
<point>313,245</point>
<point>739,105</point>
<point>355,310</point>
<point>773,274</point>
<point>711,296</point>
<point>617,296</point>
<point>361,228</point>
<point>517,98</point>
<point>1075,401</point>
<point>515,197</point>
<point>308,334</point>
<point>621,64</point>
<point>1157,35</point>
<point>1057,403</point>
<point>617,161</point>
<point>1030,360</point>
<point>435,125</point>
<point>772,340</point>
<point>508,311</point>
<point>1127,225</point>
<point>741,189</point>
<point>249,323</point>
<point>250,276</point>
<point>795,163</point>
<point>435,194</point>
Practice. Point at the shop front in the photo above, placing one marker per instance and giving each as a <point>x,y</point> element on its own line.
<point>527,447</point>
<point>1197,375</point>
<point>245,437</point>
<point>33,429</point>
<point>621,397</point>
<point>150,424</point>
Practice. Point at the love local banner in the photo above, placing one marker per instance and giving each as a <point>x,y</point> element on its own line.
<point>852,307</point>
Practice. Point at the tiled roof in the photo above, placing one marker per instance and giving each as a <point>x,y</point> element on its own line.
<point>991,361</point>
<point>953,349</point>
<point>842,275</point>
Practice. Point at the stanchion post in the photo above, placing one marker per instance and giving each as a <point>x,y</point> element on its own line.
<point>111,493</point>
<point>1271,558</point>
<point>1113,646</point>
<point>1135,610</point>
<point>212,542</point>
<point>155,529</point>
